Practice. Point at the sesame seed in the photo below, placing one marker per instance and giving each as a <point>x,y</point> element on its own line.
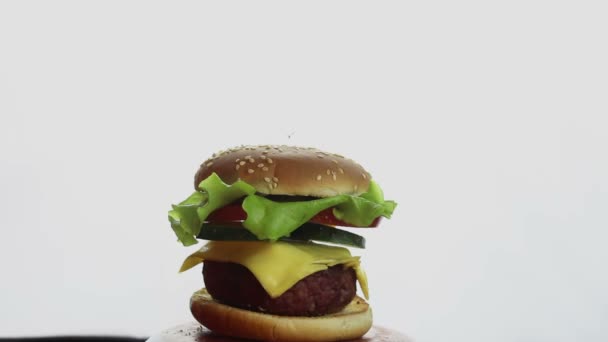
<point>260,165</point>
<point>265,168</point>
<point>247,157</point>
<point>270,186</point>
<point>275,185</point>
<point>237,167</point>
<point>267,180</point>
<point>320,156</point>
<point>341,170</point>
<point>334,161</point>
<point>269,161</point>
<point>319,177</point>
<point>263,156</point>
<point>237,160</point>
<point>251,160</point>
<point>275,179</point>
<point>242,162</point>
<point>209,164</point>
<point>250,171</point>
<point>364,175</point>
<point>328,172</point>
<point>334,176</point>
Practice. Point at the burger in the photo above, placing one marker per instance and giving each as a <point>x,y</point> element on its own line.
<point>276,266</point>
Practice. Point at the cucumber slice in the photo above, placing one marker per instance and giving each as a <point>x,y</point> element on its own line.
<point>319,232</point>
<point>225,232</point>
<point>307,232</point>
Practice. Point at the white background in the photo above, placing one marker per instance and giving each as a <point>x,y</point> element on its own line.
<point>486,121</point>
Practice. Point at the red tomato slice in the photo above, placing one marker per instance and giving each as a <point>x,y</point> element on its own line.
<point>235,213</point>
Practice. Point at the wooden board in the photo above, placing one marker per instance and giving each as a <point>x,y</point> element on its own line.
<point>194,332</point>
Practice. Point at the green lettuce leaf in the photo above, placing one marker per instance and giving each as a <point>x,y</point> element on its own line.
<point>267,219</point>
<point>184,220</point>
<point>270,220</point>
<point>187,217</point>
<point>364,209</point>
<point>220,194</point>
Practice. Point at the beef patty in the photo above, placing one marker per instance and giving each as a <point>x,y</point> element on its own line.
<point>320,293</point>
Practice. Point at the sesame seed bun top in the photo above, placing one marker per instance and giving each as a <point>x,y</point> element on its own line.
<point>287,170</point>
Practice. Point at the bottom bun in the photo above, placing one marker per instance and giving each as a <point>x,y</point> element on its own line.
<point>350,323</point>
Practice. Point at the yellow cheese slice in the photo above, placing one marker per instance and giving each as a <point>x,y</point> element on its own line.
<point>278,265</point>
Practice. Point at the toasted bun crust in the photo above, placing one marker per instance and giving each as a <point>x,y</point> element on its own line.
<point>287,170</point>
<point>350,323</point>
